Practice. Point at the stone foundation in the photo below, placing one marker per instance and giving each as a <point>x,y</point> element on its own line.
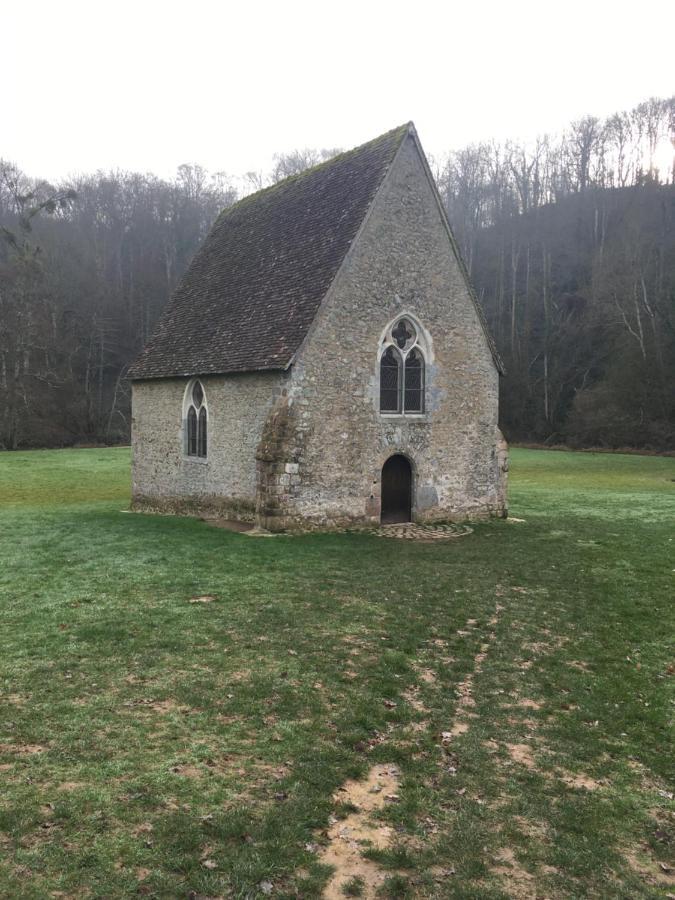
<point>202,506</point>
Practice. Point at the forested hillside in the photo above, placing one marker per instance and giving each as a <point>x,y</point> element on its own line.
<point>570,243</point>
<point>571,247</point>
<point>581,298</point>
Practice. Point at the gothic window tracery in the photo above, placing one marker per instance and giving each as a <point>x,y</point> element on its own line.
<point>196,421</point>
<point>402,370</point>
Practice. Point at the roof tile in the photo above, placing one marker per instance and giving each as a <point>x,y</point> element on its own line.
<point>251,292</point>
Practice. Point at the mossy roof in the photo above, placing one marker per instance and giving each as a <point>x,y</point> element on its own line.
<point>252,290</point>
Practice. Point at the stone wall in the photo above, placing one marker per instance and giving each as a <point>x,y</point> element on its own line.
<point>164,478</point>
<point>307,447</point>
<point>323,449</point>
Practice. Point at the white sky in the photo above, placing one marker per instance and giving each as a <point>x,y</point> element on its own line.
<point>148,85</point>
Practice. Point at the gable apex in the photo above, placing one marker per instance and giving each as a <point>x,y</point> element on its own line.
<point>250,295</point>
<point>252,290</point>
<point>499,364</point>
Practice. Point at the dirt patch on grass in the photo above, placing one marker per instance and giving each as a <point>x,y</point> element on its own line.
<point>492,621</point>
<point>579,781</point>
<point>349,837</point>
<point>459,727</point>
<point>15,699</point>
<point>418,727</point>
<point>240,675</point>
<point>519,883</point>
<point>515,722</point>
<point>579,665</point>
<point>159,706</point>
<point>531,828</point>
<point>427,676</point>
<point>67,786</point>
<point>652,871</point>
<point>188,771</point>
<point>412,699</point>
<point>229,720</point>
<point>465,698</point>
<point>438,642</point>
<point>167,706</point>
<point>22,749</point>
<point>522,754</point>
<point>465,688</point>
<point>526,703</point>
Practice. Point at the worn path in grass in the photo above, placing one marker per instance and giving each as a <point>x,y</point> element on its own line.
<point>519,681</point>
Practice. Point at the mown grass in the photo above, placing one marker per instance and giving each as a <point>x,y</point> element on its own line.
<point>153,746</point>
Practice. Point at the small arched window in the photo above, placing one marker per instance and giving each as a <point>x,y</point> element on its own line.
<point>402,370</point>
<point>196,421</point>
<point>414,382</point>
<point>390,380</point>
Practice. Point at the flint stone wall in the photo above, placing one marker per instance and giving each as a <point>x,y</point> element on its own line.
<point>325,446</point>
<point>164,478</point>
<point>306,448</point>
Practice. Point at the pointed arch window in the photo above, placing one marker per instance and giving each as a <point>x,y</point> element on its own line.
<point>391,371</point>
<point>402,370</point>
<point>196,421</point>
<point>413,400</point>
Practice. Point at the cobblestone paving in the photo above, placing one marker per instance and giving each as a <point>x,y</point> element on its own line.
<point>410,531</point>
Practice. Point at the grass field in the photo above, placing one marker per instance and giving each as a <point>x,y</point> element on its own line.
<point>517,682</point>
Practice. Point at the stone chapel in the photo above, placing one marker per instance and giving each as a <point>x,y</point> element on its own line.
<point>324,360</point>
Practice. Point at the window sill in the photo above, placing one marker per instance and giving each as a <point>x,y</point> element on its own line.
<point>405,417</point>
<point>201,460</point>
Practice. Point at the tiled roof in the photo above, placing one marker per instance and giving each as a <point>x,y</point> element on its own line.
<point>251,292</point>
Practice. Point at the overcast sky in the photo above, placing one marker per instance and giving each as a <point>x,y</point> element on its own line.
<point>149,85</point>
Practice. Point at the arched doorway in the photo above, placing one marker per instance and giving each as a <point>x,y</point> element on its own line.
<point>396,490</point>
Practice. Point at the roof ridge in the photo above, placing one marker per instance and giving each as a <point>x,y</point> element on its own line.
<point>253,288</point>
<point>293,179</point>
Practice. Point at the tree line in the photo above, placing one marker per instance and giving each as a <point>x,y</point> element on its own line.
<point>82,285</point>
<point>570,243</point>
